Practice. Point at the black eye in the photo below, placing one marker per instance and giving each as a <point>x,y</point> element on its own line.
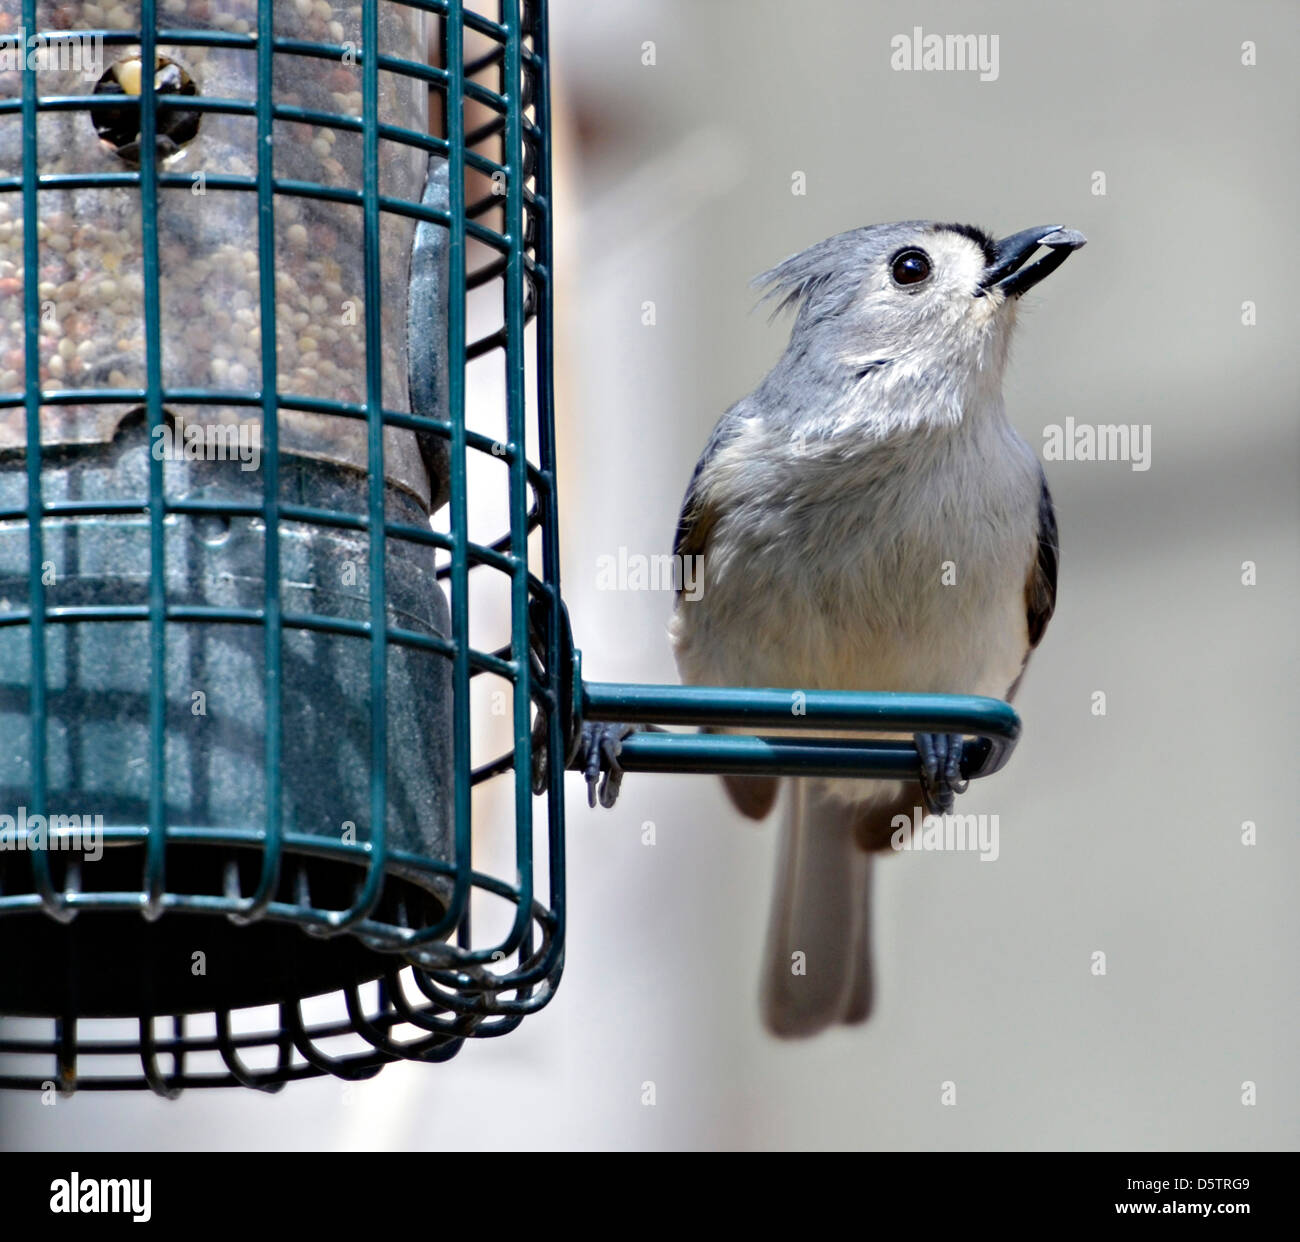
<point>911,267</point>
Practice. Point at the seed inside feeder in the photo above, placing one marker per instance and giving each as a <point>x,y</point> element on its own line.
<point>119,126</point>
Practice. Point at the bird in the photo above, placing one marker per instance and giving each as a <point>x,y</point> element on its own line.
<point>868,519</point>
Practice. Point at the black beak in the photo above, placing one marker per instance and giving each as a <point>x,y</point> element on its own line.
<point>1008,272</point>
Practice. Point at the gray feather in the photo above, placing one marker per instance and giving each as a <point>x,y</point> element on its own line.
<point>818,952</point>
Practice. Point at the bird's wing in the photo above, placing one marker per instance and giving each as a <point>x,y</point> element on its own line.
<point>1040,586</point>
<point>698,516</point>
<point>752,796</point>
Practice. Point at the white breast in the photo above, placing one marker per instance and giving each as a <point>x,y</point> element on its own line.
<point>872,567</point>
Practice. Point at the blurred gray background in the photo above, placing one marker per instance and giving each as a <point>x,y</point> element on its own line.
<point>1119,833</point>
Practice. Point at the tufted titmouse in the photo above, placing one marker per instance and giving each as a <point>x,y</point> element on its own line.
<point>868,519</point>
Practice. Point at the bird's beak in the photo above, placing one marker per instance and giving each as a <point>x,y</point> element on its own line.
<point>1008,272</point>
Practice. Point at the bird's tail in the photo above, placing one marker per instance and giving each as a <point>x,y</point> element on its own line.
<point>819,941</point>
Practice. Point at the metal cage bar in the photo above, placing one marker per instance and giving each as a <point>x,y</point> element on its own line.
<point>435,982</point>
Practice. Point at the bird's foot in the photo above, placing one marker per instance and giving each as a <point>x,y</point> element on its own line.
<point>941,778</point>
<point>594,752</point>
<point>596,756</point>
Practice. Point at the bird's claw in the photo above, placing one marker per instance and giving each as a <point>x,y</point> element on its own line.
<point>941,778</point>
<point>598,748</point>
<point>594,753</point>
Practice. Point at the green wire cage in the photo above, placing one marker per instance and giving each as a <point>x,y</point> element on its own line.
<point>284,653</point>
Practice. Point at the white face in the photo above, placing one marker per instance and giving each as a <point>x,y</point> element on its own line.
<point>922,300</point>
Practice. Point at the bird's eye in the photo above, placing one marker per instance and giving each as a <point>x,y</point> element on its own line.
<point>911,267</point>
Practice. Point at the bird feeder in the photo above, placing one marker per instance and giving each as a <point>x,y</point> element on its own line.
<point>275,325</point>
